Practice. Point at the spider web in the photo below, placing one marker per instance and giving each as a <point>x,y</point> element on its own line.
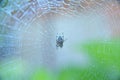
<point>19,19</point>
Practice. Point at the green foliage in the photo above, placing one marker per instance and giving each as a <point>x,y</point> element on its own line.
<point>42,74</point>
<point>76,73</point>
<point>12,70</point>
<point>105,65</point>
<point>107,53</point>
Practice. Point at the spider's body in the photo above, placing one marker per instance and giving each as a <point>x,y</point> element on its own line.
<point>59,41</point>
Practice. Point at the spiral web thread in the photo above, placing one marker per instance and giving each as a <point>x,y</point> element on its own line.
<point>16,16</point>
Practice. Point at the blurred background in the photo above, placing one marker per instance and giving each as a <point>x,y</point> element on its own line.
<point>28,30</point>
